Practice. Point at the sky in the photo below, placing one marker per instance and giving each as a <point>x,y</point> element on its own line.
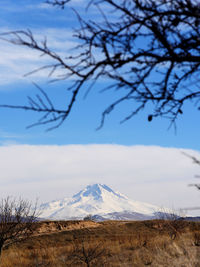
<point>129,157</point>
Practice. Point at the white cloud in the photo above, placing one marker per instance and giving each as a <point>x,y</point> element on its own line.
<point>152,174</point>
<point>16,61</point>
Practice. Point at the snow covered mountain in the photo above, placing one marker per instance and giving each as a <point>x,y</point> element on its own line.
<point>100,201</point>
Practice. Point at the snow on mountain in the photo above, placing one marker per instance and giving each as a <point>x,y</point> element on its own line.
<point>96,199</point>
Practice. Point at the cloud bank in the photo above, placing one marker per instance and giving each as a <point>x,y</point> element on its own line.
<point>145,173</point>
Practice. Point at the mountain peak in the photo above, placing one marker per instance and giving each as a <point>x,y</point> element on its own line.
<point>97,192</point>
<point>95,199</point>
<point>97,188</point>
<point>93,190</point>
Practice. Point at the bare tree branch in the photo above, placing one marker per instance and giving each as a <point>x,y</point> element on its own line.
<point>149,50</point>
<point>195,161</point>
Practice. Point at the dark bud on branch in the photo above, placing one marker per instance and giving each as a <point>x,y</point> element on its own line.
<point>150,117</point>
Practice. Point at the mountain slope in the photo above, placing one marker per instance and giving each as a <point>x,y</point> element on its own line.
<point>96,199</point>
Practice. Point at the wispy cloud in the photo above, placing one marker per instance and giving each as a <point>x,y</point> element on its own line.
<point>16,61</point>
<point>42,6</point>
<point>9,138</point>
<point>22,6</point>
<point>153,174</point>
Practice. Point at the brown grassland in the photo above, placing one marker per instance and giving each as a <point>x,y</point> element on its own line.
<point>153,243</point>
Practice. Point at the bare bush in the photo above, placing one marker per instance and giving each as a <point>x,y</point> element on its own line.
<point>17,220</point>
<point>170,221</point>
<point>88,218</point>
<point>87,254</point>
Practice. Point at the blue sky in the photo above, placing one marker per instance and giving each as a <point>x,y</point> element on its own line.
<point>80,128</point>
<point>35,163</point>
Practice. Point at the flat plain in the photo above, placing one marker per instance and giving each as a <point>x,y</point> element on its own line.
<point>153,243</point>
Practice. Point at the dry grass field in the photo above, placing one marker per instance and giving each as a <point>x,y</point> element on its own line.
<point>154,243</point>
